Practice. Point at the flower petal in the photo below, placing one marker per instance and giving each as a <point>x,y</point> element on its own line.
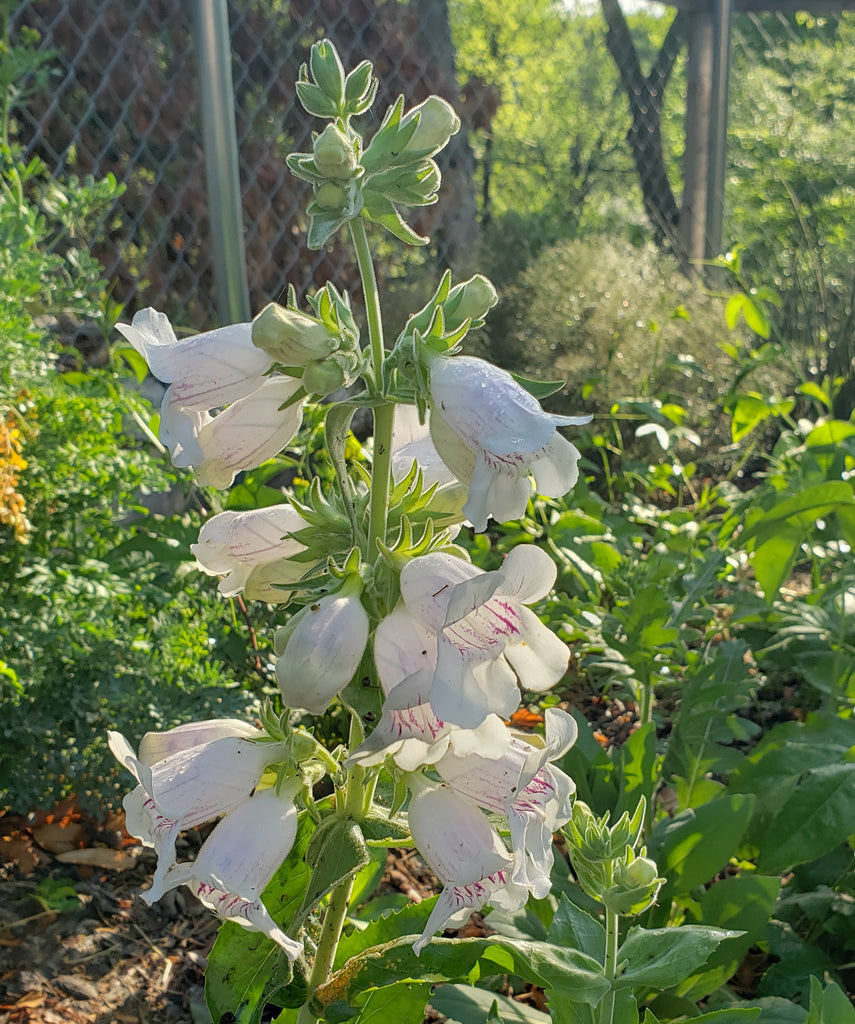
<point>210,369</point>
<point>249,432</point>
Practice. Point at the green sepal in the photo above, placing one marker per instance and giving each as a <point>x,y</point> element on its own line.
<point>328,72</point>
<point>389,141</point>
<point>539,389</point>
<point>360,89</point>
<point>380,210</point>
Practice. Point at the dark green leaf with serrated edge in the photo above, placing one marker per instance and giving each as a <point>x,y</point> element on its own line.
<point>568,972</point>
<point>661,957</point>
<point>409,921</point>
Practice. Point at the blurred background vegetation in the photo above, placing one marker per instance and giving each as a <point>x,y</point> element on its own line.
<point>103,211</point>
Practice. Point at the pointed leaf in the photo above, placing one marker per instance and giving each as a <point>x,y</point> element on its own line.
<point>661,957</point>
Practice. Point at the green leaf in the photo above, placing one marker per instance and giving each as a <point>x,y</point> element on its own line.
<point>802,509</point>
<point>385,930</point>
<point>242,968</point>
<point>636,769</point>
<point>569,972</point>
<point>727,1017</point>
<point>337,851</point>
<point>774,558</point>
<point>830,1005</point>
<point>575,928</point>
<point>402,1002</point>
<point>470,1005</point>
<point>739,903</point>
<point>818,815</point>
<point>693,846</point>
<point>806,766</point>
<point>662,957</point>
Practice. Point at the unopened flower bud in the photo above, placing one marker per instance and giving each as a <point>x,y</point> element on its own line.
<point>437,123</point>
<point>471,300</point>
<point>635,883</point>
<point>334,154</point>
<point>290,337</point>
<point>330,196</point>
<point>323,377</point>
<point>324,645</point>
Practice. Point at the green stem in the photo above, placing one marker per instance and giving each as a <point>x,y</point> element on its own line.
<point>381,471</point>
<point>358,794</point>
<point>334,917</point>
<point>607,1005</point>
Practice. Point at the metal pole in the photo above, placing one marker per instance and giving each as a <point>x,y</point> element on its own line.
<point>213,55</point>
<point>721,11</point>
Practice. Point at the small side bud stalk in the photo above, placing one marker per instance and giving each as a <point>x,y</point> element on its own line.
<point>606,863</point>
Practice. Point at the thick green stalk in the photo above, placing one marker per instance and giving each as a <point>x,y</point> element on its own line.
<point>331,928</point>
<point>607,1005</point>
<point>356,801</point>
<point>381,472</point>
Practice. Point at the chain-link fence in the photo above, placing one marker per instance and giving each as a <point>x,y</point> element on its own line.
<point>574,123</point>
<point>123,99</point>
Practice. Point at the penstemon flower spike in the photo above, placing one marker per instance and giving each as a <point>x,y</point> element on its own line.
<point>387,617</point>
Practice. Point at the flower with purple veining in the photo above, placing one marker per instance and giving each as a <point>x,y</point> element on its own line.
<point>466,854</point>
<point>492,434</point>
<point>188,776</point>
<point>536,797</point>
<point>410,732</point>
<point>487,640</point>
<point>237,860</point>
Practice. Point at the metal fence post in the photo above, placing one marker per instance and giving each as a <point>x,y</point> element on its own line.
<point>718,126</point>
<point>213,54</point>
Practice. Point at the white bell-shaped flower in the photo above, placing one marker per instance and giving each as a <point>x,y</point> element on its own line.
<point>155,746</point>
<point>207,370</point>
<point>250,431</point>
<point>253,551</point>
<point>210,371</point>
<point>320,649</point>
<point>409,730</point>
<point>487,639</point>
<point>189,786</point>
<point>236,862</point>
<point>466,854</point>
<point>492,434</point>
<point>536,797</point>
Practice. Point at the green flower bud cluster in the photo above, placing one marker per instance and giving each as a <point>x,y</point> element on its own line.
<point>438,327</point>
<point>606,863</point>
<point>451,311</point>
<point>350,179</point>
<point>322,349</point>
